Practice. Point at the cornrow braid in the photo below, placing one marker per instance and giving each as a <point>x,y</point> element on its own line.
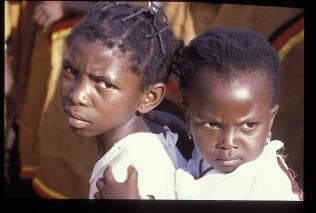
<point>141,35</point>
<point>158,13</point>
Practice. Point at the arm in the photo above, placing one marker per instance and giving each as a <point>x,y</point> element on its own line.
<point>48,12</point>
<point>109,188</point>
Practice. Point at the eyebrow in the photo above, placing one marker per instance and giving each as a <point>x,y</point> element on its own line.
<point>104,78</point>
<point>100,74</point>
<point>206,116</point>
<point>210,117</point>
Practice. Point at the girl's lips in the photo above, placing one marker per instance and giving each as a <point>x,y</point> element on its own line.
<point>74,118</point>
<point>79,124</point>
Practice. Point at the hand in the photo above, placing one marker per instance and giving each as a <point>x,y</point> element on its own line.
<point>111,189</point>
<point>48,12</point>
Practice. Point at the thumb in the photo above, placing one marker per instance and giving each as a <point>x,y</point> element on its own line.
<point>132,174</point>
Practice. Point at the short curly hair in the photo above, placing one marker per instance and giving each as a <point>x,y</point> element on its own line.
<point>143,34</point>
<point>230,51</point>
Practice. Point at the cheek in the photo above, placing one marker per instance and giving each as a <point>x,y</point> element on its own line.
<point>64,86</point>
<point>203,142</point>
<point>253,147</point>
<point>114,106</point>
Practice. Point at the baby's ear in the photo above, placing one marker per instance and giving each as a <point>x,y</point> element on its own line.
<point>152,97</point>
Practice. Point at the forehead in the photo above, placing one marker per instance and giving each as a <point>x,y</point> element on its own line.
<point>96,55</point>
<point>250,84</point>
<point>93,57</point>
<point>94,49</point>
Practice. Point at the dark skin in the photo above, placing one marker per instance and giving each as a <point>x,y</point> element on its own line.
<point>113,190</point>
<point>230,120</point>
<point>101,96</point>
<point>49,12</point>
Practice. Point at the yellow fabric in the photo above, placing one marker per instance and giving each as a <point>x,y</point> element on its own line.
<point>12,12</point>
<point>58,47</point>
<point>49,192</point>
<point>290,44</point>
<point>35,96</point>
<point>180,19</point>
<point>7,23</point>
<point>61,34</point>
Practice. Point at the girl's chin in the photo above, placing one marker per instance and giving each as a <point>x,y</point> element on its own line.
<point>82,133</point>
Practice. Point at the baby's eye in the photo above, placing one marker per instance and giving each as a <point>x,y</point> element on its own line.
<point>211,125</point>
<point>249,126</point>
<point>105,85</point>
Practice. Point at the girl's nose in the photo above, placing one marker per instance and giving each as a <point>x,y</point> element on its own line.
<point>79,94</point>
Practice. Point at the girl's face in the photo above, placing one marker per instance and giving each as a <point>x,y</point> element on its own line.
<point>230,118</point>
<point>99,92</point>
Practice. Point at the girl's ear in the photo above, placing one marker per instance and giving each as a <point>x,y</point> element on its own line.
<point>273,113</point>
<point>152,97</point>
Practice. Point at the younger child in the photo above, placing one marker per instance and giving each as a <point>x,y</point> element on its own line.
<point>230,86</point>
<point>113,73</point>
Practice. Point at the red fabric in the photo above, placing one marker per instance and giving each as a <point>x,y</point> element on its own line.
<point>288,34</point>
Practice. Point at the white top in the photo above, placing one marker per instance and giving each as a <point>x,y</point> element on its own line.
<point>154,156</point>
<point>260,179</point>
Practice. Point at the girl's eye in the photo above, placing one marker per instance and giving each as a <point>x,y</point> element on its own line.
<point>249,126</point>
<point>105,85</point>
<point>211,125</point>
<point>70,71</point>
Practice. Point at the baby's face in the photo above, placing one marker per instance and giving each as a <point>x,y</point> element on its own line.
<point>99,91</point>
<point>230,118</point>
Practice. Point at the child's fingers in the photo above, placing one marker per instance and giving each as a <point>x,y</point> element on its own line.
<point>108,175</point>
<point>97,195</point>
<point>100,184</point>
<point>132,175</point>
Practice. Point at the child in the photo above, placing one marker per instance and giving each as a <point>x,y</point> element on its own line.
<point>230,86</point>
<point>113,73</point>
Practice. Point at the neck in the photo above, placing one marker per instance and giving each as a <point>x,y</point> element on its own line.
<point>109,138</point>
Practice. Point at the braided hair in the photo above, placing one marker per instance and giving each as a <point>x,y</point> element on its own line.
<point>230,52</point>
<point>142,35</point>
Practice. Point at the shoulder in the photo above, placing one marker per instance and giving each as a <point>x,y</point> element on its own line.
<point>143,150</point>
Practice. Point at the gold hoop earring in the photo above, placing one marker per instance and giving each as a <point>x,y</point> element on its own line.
<point>190,134</point>
<point>268,138</point>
